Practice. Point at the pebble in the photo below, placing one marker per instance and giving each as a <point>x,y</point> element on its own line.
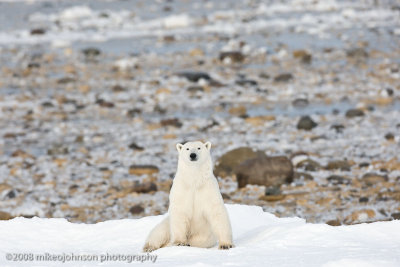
<point>351,113</point>
<point>306,123</point>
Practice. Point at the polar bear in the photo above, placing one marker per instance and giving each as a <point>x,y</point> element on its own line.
<point>197,215</point>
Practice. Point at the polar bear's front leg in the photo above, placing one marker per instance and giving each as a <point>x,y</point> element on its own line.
<point>179,226</point>
<point>221,226</point>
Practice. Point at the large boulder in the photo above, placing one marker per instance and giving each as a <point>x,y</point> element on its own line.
<point>264,170</point>
<point>230,160</point>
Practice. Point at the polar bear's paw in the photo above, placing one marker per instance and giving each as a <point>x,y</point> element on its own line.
<point>182,244</point>
<point>148,248</point>
<point>225,246</point>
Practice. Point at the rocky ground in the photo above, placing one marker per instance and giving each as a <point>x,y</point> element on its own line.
<point>88,128</point>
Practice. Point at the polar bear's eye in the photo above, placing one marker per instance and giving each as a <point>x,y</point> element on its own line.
<point>187,148</point>
<point>198,148</point>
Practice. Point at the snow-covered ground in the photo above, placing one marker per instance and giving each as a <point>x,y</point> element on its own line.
<point>260,238</point>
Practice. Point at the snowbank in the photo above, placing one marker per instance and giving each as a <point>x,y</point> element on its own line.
<point>261,239</point>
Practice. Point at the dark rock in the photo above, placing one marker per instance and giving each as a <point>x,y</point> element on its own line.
<point>136,209</point>
<point>264,170</point>
<point>373,178</point>
<point>66,80</point>
<point>246,82</point>
<point>336,179</point>
<point>357,53</point>
<point>234,56</point>
<point>133,112</point>
<point>9,135</point>
<point>363,199</point>
<point>338,128</point>
<point>304,56</point>
<point>300,102</point>
<point>303,175</point>
<point>47,104</point>
<point>306,123</point>
<point>91,52</point>
<point>194,76</point>
<point>169,38</point>
<point>363,164</point>
<point>226,163</point>
<point>57,149</point>
<point>172,122</point>
<point>11,194</point>
<point>264,75</point>
<point>338,164</point>
<point>389,91</point>
<point>33,65</point>
<point>79,139</point>
<point>284,77</point>
<point>118,88</point>
<point>334,223</point>
<point>389,136</point>
<point>145,187</point>
<point>104,104</point>
<point>309,165</point>
<point>396,215</point>
<point>5,216</point>
<point>135,146</point>
<point>38,31</point>
<point>273,190</point>
<point>195,89</point>
<point>351,113</point>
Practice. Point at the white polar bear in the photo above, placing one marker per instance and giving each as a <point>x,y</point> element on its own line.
<point>197,215</point>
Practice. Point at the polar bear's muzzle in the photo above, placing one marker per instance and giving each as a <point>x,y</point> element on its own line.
<point>193,156</point>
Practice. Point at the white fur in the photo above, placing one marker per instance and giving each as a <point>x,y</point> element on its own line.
<point>197,215</point>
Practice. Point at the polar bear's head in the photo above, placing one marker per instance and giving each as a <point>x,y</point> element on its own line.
<point>194,152</point>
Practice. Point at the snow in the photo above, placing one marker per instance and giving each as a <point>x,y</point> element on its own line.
<point>260,238</point>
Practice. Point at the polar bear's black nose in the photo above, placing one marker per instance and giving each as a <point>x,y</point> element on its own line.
<point>193,156</point>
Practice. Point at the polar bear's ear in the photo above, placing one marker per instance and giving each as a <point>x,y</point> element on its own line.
<point>179,147</point>
<point>208,145</point>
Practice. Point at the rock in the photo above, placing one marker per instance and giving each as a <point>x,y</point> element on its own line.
<point>270,198</point>
<point>303,56</point>
<point>57,149</point>
<point>306,123</point>
<point>309,165</point>
<point>336,179</point>
<point>11,194</point>
<point>232,57</point>
<point>105,104</point>
<point>226,163</point>
<point>135,146</point>
<point>338,164</point>
<point>136,209</point>
<point>300,102</point>
<point>264,170</point>
<point>66,80</point>
<point>338,128</point>
<point>33,65</point>
<point>172,122</point>
<point>334,223</point>
<point>91,52</point>
<point>373,178</point>
<point>363,200</point>
<point>143,169</point>
<point>396,215</point>
<point>118,88</point>
<point>363,164</point>
<point>5,216</point>
<point>144,187</point>
<point>357,53</point>
<point>21,154</point>
<point>389,136</point>
<point>351,113</point>
<point>264,75</point>
<point>194,76</point>
<point>284,77</point>
<point>133,112</point>
<point>246,82</point>
<point>239,111</point>
<point>38,31</point>
<point>273,190</point>
<point>195,89</point>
